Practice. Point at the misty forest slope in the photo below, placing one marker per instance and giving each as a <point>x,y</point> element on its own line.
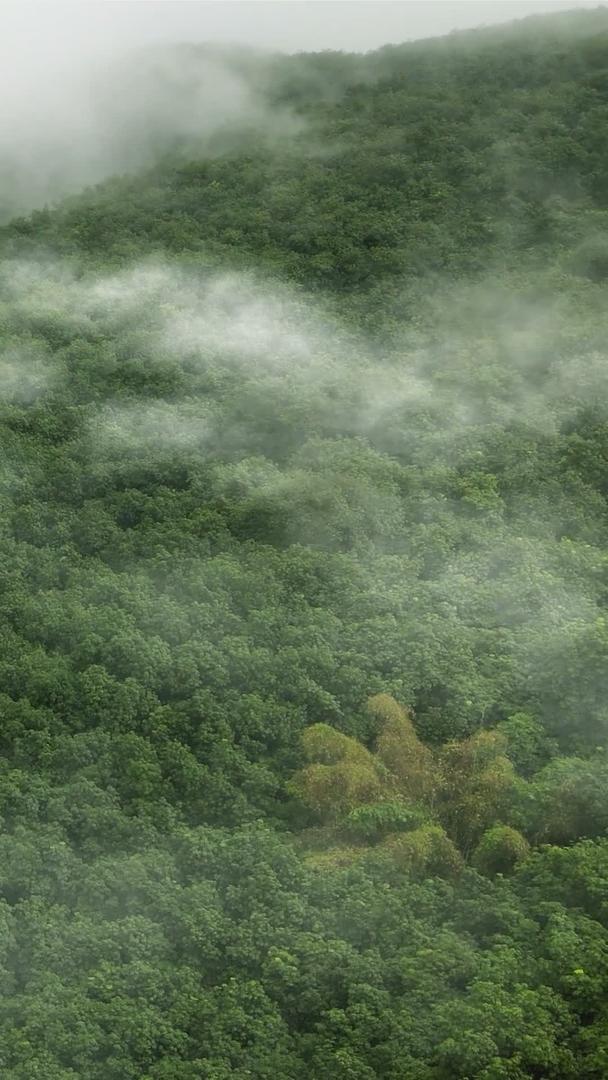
<point>304,578</point>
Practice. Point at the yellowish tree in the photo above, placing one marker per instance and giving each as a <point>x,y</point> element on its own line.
<point>406,758</point>
<point>424,852</point>
<point>476,778</point>
<point>500,850</point>
<point>340,775</point>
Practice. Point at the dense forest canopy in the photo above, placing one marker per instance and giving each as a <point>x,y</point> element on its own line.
<point>304,566</point>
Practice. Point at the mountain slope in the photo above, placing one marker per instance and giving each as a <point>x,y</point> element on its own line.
<point>303,761</point>
<point>433,156</point>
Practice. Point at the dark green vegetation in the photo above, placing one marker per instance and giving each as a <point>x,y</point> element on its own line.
<point>294,429</point>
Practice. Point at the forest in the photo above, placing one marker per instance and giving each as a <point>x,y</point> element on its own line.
<point>304,576</point>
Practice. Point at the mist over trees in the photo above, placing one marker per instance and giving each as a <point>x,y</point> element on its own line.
<point>304,572</point>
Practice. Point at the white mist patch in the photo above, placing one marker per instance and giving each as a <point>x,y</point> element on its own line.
<point>238,319</point>
<point>495,360</point>
<point>232,315</point>
<point>41,281</point>
<point>114,295</point>
<point>74,120</point>
<point>157,427</point>
<point>44,293</point>
<point>24,375</point>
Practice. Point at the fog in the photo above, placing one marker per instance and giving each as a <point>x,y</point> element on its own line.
<point>298,418</point>
<point>62,34</point>
<point>287,345</point>
<point>88,90</point>
<point>75,119</point>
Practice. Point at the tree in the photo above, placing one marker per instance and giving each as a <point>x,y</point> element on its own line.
<point>424,852</point>
<point>341,775</point>
<point>500,850</point>
<point>407,759</point>
<point>477,777</point>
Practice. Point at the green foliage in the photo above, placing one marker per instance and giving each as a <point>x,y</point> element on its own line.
<point>372,822</point>
<point>477,780</point>
<point>296,428</point>
<point>424,852</point>
<point>565,801</point>
<point>499,851</point>
<point>590,259</point>
<point>528,745</point>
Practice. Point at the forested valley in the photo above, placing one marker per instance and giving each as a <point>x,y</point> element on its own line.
<point>304,576</point>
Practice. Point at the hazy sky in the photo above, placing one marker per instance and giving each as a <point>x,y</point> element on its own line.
<point>58,31</point>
